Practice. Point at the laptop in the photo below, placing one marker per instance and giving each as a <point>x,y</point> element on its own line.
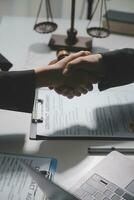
<point>111,179</point>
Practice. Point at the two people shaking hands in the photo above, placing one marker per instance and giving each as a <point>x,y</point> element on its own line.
<point>72,76</point>
<point>76,74</point>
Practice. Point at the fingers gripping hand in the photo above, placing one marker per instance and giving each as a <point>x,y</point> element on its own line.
<point>75,85</point>
<point>89,63</point>
<point>62,63</point>
<point>53,62</point>
<point>72,92</point>
<point>55,69</point>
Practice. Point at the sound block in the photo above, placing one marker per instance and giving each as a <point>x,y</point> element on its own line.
<point>59,42</point>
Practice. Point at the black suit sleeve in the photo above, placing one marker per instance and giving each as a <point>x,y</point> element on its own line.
<point>17,90</point>
<point>118,68</point>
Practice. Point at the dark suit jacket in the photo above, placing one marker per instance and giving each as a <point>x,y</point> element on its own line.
<point>17,89</point>
<point>118,68</point>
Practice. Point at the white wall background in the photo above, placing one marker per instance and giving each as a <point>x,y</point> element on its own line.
<point>61,8</point>
<point>26,7</point>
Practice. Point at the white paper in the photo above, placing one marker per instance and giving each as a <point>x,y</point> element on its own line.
<point>15,182</point>
<point>97,113</point>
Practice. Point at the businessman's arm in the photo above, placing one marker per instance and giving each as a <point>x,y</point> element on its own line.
<point>114,68</point>
<point>118,68</point>
<point>17,89</point>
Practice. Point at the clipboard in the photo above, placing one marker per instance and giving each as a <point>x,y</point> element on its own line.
<point>95,116</point>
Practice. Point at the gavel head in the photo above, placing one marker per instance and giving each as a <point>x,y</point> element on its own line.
<point>62,53</point>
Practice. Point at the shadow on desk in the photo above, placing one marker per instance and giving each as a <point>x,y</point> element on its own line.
<point>108,119</point>
<point>71,153</point>
<point>12,143</point>
<point>40,48</point>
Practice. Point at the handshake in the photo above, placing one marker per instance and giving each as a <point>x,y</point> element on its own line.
<point>73,75</point>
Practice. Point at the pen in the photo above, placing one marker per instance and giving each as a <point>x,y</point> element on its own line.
<point>103,151</point>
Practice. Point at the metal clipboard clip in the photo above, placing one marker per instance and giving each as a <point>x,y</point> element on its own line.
<point>37,115</point>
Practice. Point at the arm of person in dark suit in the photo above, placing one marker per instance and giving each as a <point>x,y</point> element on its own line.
<point>118,68</point>
<point>114,68</point>
<point>17,88</point>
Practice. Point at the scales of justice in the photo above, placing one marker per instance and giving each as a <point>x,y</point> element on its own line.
<point>71,41</point>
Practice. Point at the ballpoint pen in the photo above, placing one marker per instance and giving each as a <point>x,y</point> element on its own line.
<point>103,150</point>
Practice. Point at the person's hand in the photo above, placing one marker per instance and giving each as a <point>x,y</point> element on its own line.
<point>52,76</point>
<point>71,92</point>
<point>78,84</point>
<point>92,64</point>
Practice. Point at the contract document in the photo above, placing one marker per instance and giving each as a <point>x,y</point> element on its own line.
<point>16,183</point>
<point>94,115</point>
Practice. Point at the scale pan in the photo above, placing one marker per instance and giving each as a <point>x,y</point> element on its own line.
<point>98,32</point>
<point>45,27</point>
